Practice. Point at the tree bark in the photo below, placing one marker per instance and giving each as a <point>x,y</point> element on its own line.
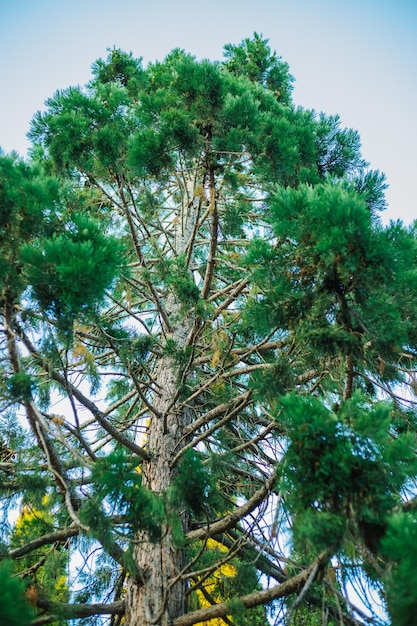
<point>162,597</point>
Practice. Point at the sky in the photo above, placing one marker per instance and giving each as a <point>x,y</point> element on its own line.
<point>354,58</point>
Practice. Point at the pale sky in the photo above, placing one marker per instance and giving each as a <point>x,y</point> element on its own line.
<point>357,58</point>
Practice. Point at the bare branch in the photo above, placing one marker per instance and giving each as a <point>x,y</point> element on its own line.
<point>91,406</point>
<point>57,536</point>
<point>71,611</point>
<point>213,236</point>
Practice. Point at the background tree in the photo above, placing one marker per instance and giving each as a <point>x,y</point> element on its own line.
<point>209,345</point>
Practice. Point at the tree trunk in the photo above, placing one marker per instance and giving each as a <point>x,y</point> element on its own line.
<point>163,596</point>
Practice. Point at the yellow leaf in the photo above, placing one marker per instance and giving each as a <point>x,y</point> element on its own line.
<point>210,585</point>
<point>215,359</point>
<point>82,353</point>
<point>58,419</point>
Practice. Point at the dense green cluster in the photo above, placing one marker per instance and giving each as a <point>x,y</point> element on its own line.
<point>70,271</point>
<point>117,484</point>
<point>343,469</point>
<point>16,610</point>
<point>399,544</point>
<point>64,258</point>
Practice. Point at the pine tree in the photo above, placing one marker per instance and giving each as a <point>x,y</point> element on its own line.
<point>208,362</point>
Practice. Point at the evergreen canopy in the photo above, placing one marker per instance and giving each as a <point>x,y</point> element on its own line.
<point>208,357</point>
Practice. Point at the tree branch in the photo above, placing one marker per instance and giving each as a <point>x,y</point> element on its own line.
<point>254,599</point>
<point>70,611</point>
<point>59,535</point>
<point>94,410</point>
<point>239,512</point>
<point>211,261</point>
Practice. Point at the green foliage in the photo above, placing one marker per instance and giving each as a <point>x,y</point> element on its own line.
<point>117,480</point>
<point>70,272</point>
<point>245,579</point>
<point>132,348</point>
<point>310,615</point>
<point>142,346</point>
<point>119,68</point>
<point>254,617</point>
<point>338,149</point>
<point>236,608</point>
<point>370,186</point>
<point>15,609</point>
<point>324,237</point>
<point>139,129</point>
<point>318,530</point>
<point>89,133</point>
<point>178,355</point>
<point>194,485</point>
<point>26,194</point>
<point>328,277</point>
<point>342,463</point>
<point>252,58</point>
<point>400,545</point>
<point>234,219</point>
<point>47,568</point>
<point>29,203</point>
<point>148,154</point>
<point>21,387</point>
<point>178,278</point>
<point>274,382</point>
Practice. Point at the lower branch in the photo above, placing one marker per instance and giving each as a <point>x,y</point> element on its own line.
<point>57,536</point>
<point>254,599</point>
<point>75,611</point>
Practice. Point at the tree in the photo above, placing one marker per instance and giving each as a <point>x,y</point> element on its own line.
<point>209,351</point>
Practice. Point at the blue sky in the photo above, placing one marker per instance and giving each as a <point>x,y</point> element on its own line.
<point>357,58</point>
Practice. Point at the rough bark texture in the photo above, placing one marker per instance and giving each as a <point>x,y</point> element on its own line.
<point>163,596</point>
